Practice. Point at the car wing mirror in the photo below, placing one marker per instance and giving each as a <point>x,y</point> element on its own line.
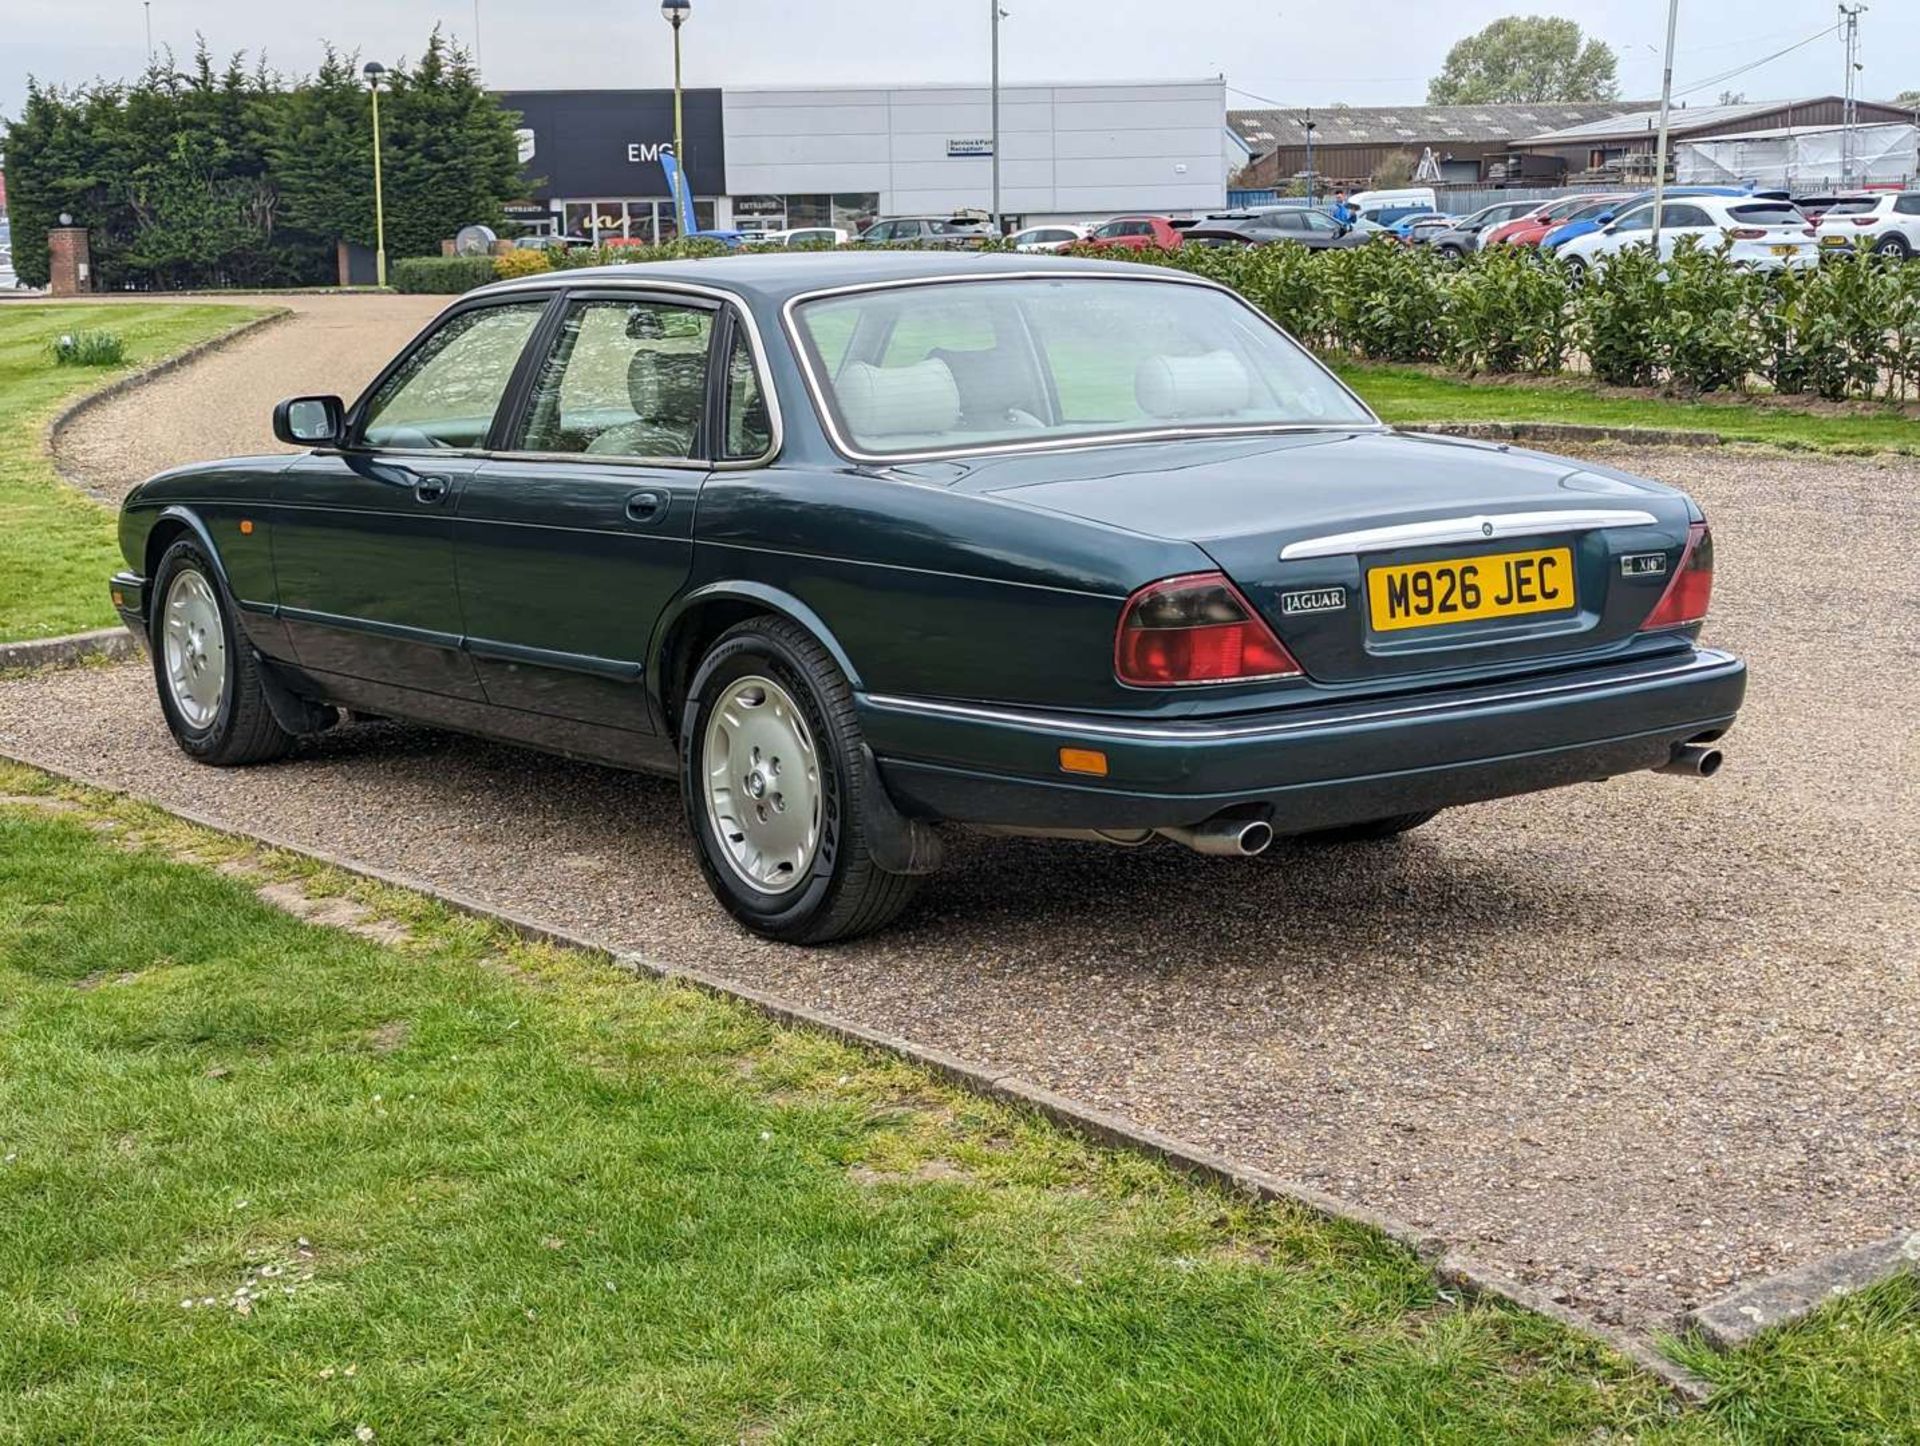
<point>310,421</point>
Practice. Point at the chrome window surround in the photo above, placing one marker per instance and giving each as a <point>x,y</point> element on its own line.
<point>1486,527</point>
<point>542,285</point>
<point>841,444</point>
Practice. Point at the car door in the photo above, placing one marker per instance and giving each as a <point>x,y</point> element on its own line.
<point>1681,218</point>
<point>363,535</point>
<point>1635,227</point>
<point>572,540</point>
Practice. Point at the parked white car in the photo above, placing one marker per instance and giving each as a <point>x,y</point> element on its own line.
<point>801,236</point>
<point>1888,222</point>
<point>1766,235</point>
<point>1055,236</point>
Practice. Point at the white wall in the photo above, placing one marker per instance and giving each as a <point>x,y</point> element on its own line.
<point>1066,150</point>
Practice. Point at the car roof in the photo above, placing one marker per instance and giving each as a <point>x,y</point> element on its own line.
<point>770,276</point>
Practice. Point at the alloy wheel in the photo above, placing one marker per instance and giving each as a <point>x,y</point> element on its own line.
<point>195,648</point>
<point>762,776</point>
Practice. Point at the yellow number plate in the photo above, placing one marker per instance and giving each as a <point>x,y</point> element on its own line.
<point>1463,589</point>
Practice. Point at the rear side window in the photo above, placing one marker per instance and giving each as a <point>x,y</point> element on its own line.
<point>1678,216</point>
<point>1771,213</point>
<point>1909,204</point>
<point>624,379</point>
<point>449,387</point>
<point>749,425</point>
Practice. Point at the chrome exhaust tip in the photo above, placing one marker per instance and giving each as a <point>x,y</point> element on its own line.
<point>1231,838</point>
<point>1690,760</point>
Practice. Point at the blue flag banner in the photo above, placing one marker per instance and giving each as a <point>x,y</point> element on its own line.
<point>677,185</point>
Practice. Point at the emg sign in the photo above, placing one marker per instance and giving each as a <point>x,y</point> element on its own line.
<point>601,144</point>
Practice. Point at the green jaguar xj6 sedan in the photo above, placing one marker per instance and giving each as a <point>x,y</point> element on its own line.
<point>861,545</point>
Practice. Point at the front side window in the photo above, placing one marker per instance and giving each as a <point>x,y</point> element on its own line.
<point>447,390</point>
<point>1640,220</point>
<point>972,364</point>
<point>624,379</point>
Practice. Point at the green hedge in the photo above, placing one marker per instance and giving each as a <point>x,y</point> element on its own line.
<point>441,275</point>
<point>1698,323</point>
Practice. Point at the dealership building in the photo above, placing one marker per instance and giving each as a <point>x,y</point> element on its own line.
<point>840,156</point>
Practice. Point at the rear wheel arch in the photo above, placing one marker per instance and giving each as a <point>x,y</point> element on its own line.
<point>699,619</point>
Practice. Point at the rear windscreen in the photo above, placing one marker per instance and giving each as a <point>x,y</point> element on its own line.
<point>1853,208</point>
<point>1771,214</point>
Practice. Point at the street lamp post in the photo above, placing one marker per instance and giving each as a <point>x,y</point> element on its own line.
<point>1310,128</point>
<point>373,70</point>
<point>677,13</point>
<point>1660,146</point>
<point>994,140</point>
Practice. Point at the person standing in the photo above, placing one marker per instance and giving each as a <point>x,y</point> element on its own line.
<point>1341,211</point>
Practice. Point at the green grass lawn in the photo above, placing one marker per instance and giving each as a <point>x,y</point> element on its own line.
<point>477,1190</point>
<point>1407,394</point>
<point>57,546</point>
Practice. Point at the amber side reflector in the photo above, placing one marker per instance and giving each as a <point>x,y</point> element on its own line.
<point>246,528</point>
<point>119,598</point>
<point>1083,760</point>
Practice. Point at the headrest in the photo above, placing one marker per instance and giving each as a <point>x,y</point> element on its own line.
<point>990,385</point>
<point>898,401</point>
<point>667,386</point>
<point>1213,384</point>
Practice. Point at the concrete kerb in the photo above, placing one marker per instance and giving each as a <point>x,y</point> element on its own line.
<point>64,652</point>
<point>1568,432</point>
<point>80,406</point>
<point>1735,1320</point>
<point>1452,1267</point>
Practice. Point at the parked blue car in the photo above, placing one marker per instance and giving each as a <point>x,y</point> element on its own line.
<point>1582,223</point>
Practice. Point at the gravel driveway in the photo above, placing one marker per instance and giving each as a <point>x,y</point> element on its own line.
<point>222,405</point>
<point>1629,1043</point>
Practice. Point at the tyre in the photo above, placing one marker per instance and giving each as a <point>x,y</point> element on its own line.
<point>207,675</point>
<point>1576,271</point>
<point>1893,244</point>
<point>1450,252</point>
<point>1371,831</point>
<point>769,768</point>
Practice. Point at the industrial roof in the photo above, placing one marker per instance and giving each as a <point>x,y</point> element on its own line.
<point>1683,119</point>
<point>1267,130</point>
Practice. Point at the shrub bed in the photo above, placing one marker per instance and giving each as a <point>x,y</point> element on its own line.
<point>441,275</point>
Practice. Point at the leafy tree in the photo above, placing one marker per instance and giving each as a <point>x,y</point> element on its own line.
<point>1394,171</point>
<point>1908,99</point>
<point>209,175</point>
<point>1526,58</point>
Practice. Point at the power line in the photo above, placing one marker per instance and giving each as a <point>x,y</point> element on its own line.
<point>1726,75</point>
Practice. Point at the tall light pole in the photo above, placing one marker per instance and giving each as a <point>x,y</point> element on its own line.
<point>1850,111</point>
<point>373,70</point>
<point>994,142</point>
<point>677,13</point>
<point>1660,146</point>
<point>1309,124</point>
<point>147,5</point>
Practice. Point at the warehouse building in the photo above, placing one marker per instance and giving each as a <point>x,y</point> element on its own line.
<point>768,158</point>
<point>1471,143</point>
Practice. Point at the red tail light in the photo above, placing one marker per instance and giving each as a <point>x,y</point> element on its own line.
<point>1748,233</point>
<point>1691,590</point>
<point>1864,220</point>
<point>1195,629</point>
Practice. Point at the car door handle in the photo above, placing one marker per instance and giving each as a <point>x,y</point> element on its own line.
<point>430,490</point>
<point>646,506</point>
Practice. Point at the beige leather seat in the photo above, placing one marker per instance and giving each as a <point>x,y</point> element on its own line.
<point>668,390</point>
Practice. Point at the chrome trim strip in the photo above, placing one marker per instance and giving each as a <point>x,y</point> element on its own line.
<point>823,408</point>
<point>586,279</point>
<point>1464,529</point>
<point>1705,660</point>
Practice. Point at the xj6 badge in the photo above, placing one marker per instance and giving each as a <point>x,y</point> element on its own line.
<point>1313,600</point>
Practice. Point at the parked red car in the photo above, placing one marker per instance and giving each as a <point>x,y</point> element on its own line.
<point>1528,229</point>
<point>1134,233</point>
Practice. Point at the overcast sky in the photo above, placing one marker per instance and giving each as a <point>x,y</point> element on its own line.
<point>1362,51</point>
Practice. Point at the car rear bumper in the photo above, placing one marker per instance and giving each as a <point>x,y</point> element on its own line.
<point>1303,767</point>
